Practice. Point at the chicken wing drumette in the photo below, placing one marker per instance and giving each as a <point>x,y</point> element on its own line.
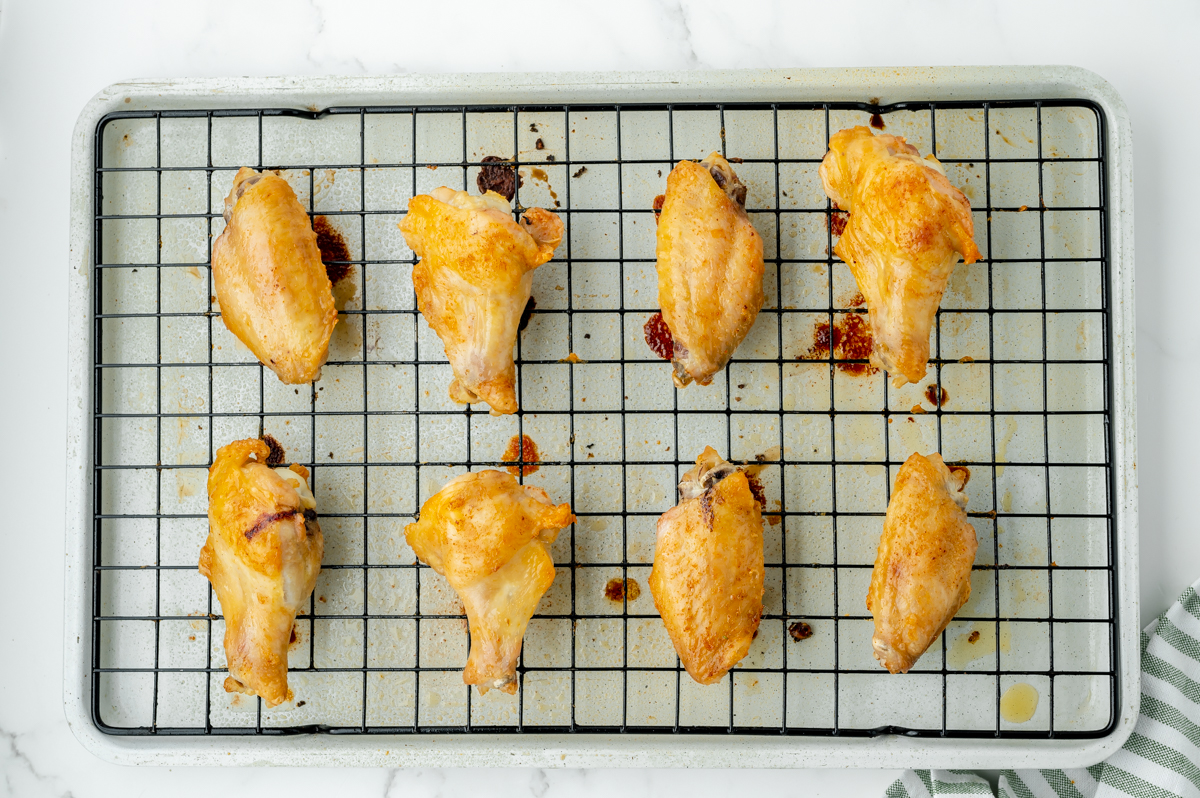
<point>907,228</point>
<point>922,573</point>
<point>271,284</point>
<point>262,556</point>
<point>490,537</point>
<point>473,280</point>
<point>707,579</point>
<point>710,267</point>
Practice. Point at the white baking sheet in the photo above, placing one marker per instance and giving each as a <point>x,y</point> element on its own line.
<point>609,430</point>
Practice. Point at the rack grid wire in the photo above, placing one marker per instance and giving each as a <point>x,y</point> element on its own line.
<point>1017,390</point>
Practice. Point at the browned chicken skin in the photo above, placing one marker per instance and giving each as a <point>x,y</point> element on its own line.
<point>474,277</point>
<point>707,579</point>
<point>710,267</point>
<point>907,228</point>
<point>262,556</point>
<point>271,284</point>
<point>922,574</point>
<point>490,537</point>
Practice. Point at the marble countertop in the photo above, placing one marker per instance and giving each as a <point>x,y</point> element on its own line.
<point>55,55</point>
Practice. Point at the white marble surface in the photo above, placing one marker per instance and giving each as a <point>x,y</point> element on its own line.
<point>55,55</point>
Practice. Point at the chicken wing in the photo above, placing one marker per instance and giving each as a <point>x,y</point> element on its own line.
<point>490,537</point>
<point>922,573</point>
<point>473,280</point>
<point>710,267</point>
<point>907,228</point>
<point>262,556</point>
<point>272,287</point>
<point>707,579</point>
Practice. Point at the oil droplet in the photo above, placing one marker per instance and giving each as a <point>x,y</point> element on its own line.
<point>1019,702</point>
<point>912,436</point>
<point>521,449</point>
<point>963,650</point>
<point>936,396</point>
<point>618,589</point>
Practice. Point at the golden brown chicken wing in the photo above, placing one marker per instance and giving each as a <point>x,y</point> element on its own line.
<point>707,579</point>
<point>262,556</point>
<point>710,267</point>
<point>490,537</point>
<point>906,230</point>
<point>922,574</point>
<point>473,280</point>
<point>270,282</point>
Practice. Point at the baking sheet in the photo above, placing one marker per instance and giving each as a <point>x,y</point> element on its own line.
<point>830,680</point>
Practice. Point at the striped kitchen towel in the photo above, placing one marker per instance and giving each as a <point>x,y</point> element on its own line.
<point>1161,757</point>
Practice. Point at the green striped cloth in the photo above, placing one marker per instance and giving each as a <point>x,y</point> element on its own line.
<point>1161,757</point>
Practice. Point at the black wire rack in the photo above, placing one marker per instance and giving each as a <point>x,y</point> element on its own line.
<point>1021,358</point>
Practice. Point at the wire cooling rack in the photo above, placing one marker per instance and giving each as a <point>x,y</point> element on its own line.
<point>1017,390</point>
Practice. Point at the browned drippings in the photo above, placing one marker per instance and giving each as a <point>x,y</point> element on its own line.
<point>837,220</point>
<point>540,174</point>
<point>756,490</point>
<point>658,205</point>
<point>276,455</point>
<point>877,121</point>
<point>800,631</point>
<point>333,248</point>
<point>973,637</point>
<point>580,172</point>
<point>854,343</point>
<point>527,314</point>
<point>858,300</point>
<point>498,176</point>
<point>850,338</point>
<point>539,145</point>
<point>618,590</point>
<point>936,399</point>
<point>521,449</point>
<point>658,337</point>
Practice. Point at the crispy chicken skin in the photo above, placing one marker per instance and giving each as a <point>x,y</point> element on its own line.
<point>262,556</point>
<point>473,280</point>
<point>270,282</point>
<point>922,573</point>
<point>707,579</point>
<point>490,537</point>
<point>907,228</point>
<point>710,267</point>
